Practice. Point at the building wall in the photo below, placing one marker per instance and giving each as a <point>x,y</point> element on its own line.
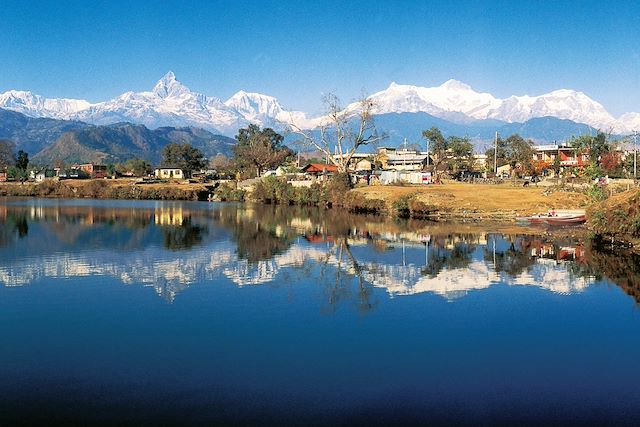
<point>167,173</point>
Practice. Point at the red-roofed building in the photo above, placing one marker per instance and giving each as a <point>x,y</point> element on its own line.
<point>319,169</point>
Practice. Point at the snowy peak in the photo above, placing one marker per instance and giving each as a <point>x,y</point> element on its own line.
<point>452,97</point>
<point>37,106</point>
<point>563,104</point>
<point>169,87</point>
<point>453,84</point>
<point>170,103</point>
<point>254,104</point>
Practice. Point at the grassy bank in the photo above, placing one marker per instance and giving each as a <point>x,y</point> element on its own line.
<point>453,200</point>
<point>616,220</point>
<point>107,189</point>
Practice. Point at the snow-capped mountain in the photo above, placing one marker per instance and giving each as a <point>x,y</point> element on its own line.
<point>33,105</point>
<point>449,99</point>
<point>630,122</point>
<point>453,97</point>
<point>170,103</point>
<point>264,110</point>
<point>563,104</point>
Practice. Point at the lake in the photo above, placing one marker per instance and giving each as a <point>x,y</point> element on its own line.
<point>121,312</point>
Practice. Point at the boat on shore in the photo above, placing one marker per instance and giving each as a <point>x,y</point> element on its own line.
<point>553,217</point>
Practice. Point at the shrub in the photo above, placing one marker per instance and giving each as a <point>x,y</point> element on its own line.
<point>401,206</point>
<point>229,193</point>
<point>596,193</point>
<point>336,189</point>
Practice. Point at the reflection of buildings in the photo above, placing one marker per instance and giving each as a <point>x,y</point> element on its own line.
<point>172,215</point>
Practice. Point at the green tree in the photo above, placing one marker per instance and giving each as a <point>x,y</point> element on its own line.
<point>436,144</point>
<point>22,160</point>
<point>183,156</point>
<point>596,146</point>
<point>461,150</point>
<point>519,153</point>
<point>259,149</point>
<point>138,167</point>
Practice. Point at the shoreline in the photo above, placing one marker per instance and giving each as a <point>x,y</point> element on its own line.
<point>451,202</point>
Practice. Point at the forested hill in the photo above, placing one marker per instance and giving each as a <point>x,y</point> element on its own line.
<point>120,142</point>
<point>51,141</point>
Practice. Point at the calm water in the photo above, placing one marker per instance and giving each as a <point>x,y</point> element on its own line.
<point>200,313</point>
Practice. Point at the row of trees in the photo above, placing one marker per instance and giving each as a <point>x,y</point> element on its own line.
<point>16,166</point>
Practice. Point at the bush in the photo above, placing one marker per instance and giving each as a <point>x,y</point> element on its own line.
<point>401,206</point>
<point>229,193</point>
<point>596,193</point>
<point>336,189</point>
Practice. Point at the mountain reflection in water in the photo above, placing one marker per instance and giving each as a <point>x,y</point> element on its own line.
<point>170,246</point>
<point>273,315</point>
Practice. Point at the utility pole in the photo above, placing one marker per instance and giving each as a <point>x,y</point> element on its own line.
<point>495,156</point>
<point>635,155</point>
<point>427,152</point>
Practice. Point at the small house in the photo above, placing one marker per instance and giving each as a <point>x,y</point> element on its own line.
<point>3,176</point>
<point>169,173</point>
<point>317,169</point>
<point>42,174</point>
<point>93,170</point>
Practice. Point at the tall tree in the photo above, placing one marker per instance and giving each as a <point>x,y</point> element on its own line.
<point>183,156</point>
<point>519,153</point>
<point>436,144</point>
<point>461,150</point>
<point>22,160</point>
<point>136,166</point>
<point>596,146</point>
<point>342,131</point>
<point>259,149</point>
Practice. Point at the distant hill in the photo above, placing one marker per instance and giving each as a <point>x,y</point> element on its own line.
<point>398,126</point>
<point>120,142</point>
<point>34,134</point>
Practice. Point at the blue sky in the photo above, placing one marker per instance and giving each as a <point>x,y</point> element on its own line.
<point>296,52</point>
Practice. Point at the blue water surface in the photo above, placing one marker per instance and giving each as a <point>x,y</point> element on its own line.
<point>202,313</point>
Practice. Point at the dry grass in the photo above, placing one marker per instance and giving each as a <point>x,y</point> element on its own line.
<point>491,200</point>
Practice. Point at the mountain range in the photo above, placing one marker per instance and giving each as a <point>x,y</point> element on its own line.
<point>140,124</point>
<point>171,103</point>
<point>52,141</point>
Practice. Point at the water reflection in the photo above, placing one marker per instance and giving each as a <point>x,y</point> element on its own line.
<point>171,246</point>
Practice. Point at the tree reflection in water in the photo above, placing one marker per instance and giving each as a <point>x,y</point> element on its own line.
<point>345,270</point>
<point>353,254</point>
<point>442,255</point>
<point>15,224</point>
<point>514,260</point>
<point>183,236</point>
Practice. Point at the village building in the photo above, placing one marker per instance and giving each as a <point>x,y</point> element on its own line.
<point>42,174</point>
<point>319,169</point>
<point>169,173</point>
<point>567,155</point>
<point>403,159</point>
<point>92,170</point>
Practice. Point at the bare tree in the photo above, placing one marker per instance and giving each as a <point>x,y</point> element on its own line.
<point>342,131</point>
